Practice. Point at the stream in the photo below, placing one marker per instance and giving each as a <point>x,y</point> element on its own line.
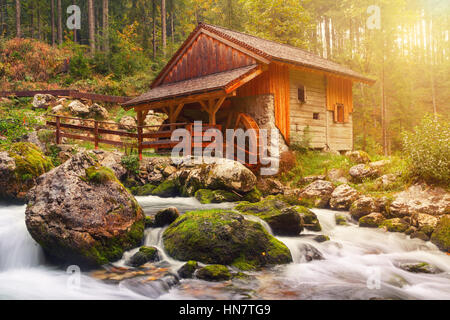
<point>357,263</point>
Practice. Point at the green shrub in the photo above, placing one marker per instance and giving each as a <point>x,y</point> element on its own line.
<point>131,163</point>
<point>427,148</point>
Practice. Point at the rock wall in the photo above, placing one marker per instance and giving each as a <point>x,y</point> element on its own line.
<point>262,109</point>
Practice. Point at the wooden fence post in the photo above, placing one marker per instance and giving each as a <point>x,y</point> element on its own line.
<point>96,134</point>
<point>58,130</point>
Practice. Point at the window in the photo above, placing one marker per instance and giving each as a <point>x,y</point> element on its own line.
<point>339,113</point>
<point>301,93</point>
<point>316,116</point>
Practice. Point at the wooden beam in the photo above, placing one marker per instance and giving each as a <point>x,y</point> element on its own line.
<point>185,100</point>
<point>234,85</point>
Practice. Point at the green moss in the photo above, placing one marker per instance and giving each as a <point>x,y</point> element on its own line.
<point>100,175</point>
<point>30,161</point>
<point>188,269</point>
<point>144,190</point>
<point>215,272</point>
<point>225,237</point>
<point>340,220</point>
<point>144,255</point>
<point>253,196</point>
<point>168,188</point>
<point>394,225</point>
<point>206,196</point>
<point>441,234</point>
<point>149,221</point>
<point>369,221</point>
<point>310,220</point>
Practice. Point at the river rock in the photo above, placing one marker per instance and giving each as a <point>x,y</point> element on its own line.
<point>214,272</point>
<point>309,253</point>
<point>98,112</point>
<point>81,214</point>
<point>421,199</point>
<point>419,267</point>
<point>223,237</point>
<point>362,206</point>
<point>78,109</point>
<point>127,123</point>
<point>337,175</point>
<point>206,196</point>
<point>319,192</point>
<point>42,101</point>
<point>270,186</point>
<point>441,235</point>
<point>372,220</point>
<point>282,218</point>
<point>165,217</point>
<point>19,168</point>
<point>342,197</point>
<point>361,172</point>
<point>58,109</point>
<point>395,225</point>
<point>188,269</point>
<point>222,174</point>
<point>111,160</point>
<point>358,156</point>
<point>143,256</point>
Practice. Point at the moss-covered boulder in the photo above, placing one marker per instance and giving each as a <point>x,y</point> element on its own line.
<point>169,188</point>
<point>145,190</point>
<point>215,272</point>
<point>188,269</point>
<point>143,256</point>
<point>373,220</point>
<point>165,217</point>
<point>310,220</point>
<point>441,235</point>
<point>206,196</point>
<point>395,225</point>
<point>282,218</point>
<point>340,220</point>
<point>20,165</point>
<point>149,222</point>
<point>81,214</point>
<point>253,196</point>
<point>223,237</point>
<point>321,238</point>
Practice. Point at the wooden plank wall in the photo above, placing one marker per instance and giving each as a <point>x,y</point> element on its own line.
<point>302,113</point>
<point>324,131</point>
<point>340,91</point>
<point>273,81</point>
<point>206,56</point>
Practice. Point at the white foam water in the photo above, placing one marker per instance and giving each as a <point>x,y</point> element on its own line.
<point>357,263</point>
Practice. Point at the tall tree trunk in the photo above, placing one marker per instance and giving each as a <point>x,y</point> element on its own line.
<point>32,9</point>
<point>60,28</point>
<point>75,38</point>
<point>154,28</point>
<point>53,22</point>
<point>105,21</point>
<point>163,26</point>
<point>91,22</point>
<point>172,29</point>
<point>18,25</point>
<point>2,18</point>
<point>39,22</point>
<point>327,37</point>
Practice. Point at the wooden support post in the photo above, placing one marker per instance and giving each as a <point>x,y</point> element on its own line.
<point>58,130</point>
<point>96,135</point>
<point>140,121</point>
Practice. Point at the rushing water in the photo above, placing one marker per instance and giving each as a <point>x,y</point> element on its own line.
<point>357,263</point>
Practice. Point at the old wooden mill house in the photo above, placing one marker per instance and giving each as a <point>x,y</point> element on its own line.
<point>230,79</point>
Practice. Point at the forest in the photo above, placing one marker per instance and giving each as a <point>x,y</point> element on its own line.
<point>120,46</point>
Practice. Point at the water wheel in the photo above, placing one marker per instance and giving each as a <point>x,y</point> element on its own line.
<point>251,147</point>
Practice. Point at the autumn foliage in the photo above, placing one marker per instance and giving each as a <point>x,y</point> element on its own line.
<point>30,60</point>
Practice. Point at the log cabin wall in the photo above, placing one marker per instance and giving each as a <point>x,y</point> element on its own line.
<point>324,131</point>
<point>273,81</point>
<point>206,56</point>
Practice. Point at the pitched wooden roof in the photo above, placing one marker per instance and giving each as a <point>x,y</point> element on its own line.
<point>214,82</point>
<point>283,52</point>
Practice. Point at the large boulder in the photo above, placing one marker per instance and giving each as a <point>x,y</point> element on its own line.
<point>362,206</point>
<point>373,220</point>
<point>98,112</point>
<point>221,174</point>
<point>441,235</point>
<point>42,101</point>
<point>282,218</point>
<point>223,237</point>
<point>81,214</point>
<point>319,192</point>
<point>19,168</point>
<point>360,172</point>
<point>421,199</point>
<point>165,217</point>
<point>127,123</point>
<point>395,225</point>
<point>78,109</point>
<point>215,272</point>
<point>342,197</point>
